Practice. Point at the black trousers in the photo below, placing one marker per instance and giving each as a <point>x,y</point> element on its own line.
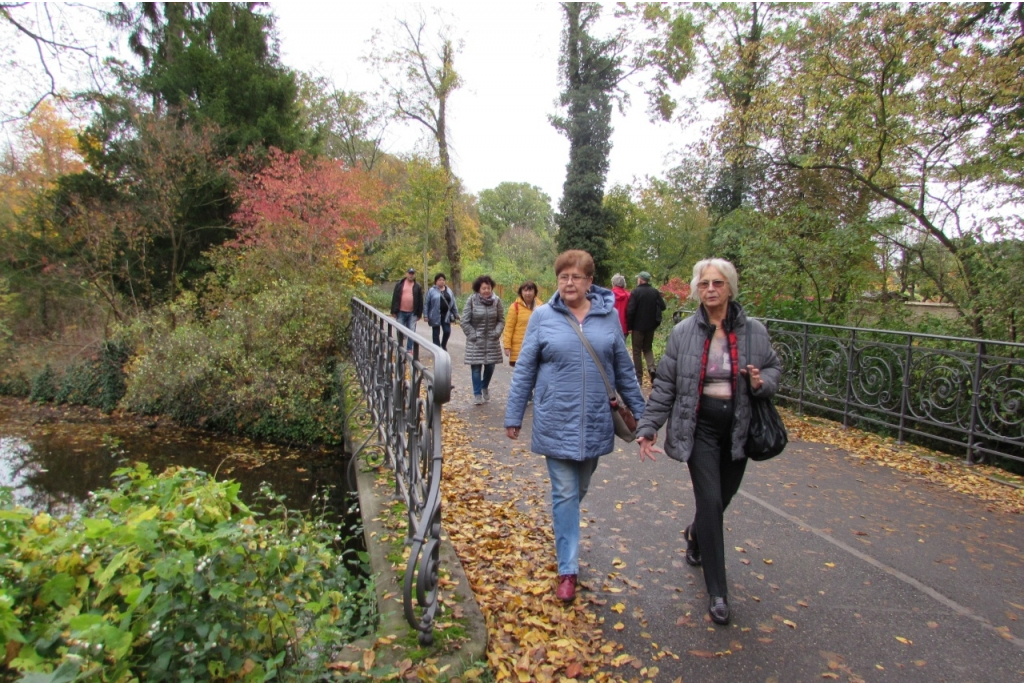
<point>642,350</point>
<point>716,477</point>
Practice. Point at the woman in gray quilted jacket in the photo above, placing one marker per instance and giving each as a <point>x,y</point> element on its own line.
<point>700,392</point>
<point>483,321</point>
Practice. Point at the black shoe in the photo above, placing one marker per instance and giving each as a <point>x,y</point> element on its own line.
<point>719,610</point>
<point>692,550</point>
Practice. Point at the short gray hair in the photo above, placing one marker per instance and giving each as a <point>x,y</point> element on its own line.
<point>724,267</point>
<point>619,281</point>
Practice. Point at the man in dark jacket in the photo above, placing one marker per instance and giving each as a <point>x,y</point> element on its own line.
<point>643,316</point>
<point>407,302</point>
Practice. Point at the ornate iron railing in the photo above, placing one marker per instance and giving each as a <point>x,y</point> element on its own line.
<point>404,397</point>
<point>963,393</point>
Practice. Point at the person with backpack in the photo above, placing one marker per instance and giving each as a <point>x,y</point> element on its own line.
<point>517,318</point>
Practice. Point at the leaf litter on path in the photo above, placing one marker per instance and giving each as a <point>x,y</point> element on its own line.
<point>508,553</point>
<point>985,483</point>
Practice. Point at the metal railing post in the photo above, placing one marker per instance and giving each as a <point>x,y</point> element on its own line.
<point>803,369</point>
<point>905,395</point>
<point>849,378</point>
<point>975,399</point>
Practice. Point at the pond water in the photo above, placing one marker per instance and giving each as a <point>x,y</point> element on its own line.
<point>53,457</point>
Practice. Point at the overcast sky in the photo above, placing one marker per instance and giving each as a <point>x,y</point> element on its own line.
<point>499,118</point>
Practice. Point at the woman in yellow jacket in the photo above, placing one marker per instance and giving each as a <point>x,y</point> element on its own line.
<point>516,319</point>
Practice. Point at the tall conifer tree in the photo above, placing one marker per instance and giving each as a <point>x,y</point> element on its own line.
<point>591,70</point>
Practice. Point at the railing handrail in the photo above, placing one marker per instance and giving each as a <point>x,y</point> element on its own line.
<point>885,331</point>
<point>404,399</point>
<point>865,329</point>
<point>960,392</point>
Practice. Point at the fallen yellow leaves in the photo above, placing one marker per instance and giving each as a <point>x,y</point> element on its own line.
<point>980,481</point>
<point>508,553</point>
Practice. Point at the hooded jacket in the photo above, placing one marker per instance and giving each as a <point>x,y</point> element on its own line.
<point>674,398</point>
<point>621,302</point>
<point>572,418</point>
<point>483,325</point>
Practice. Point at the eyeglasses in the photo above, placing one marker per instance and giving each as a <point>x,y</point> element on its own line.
<point>704,285</point>
<point>575,278</point>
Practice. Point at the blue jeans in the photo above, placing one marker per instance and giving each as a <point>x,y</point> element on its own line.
<point>407,319</point>
<point>445,328</point>
<point>570,480</point>
<point>480,383</point>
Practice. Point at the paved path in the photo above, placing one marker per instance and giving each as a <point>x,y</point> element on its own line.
<point>839,569</point>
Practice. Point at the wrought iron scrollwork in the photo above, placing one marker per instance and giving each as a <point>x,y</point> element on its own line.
<point>961,392</point>
<point>404,396</point>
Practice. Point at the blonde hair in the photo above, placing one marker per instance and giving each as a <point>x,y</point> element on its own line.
<point>724,267</point>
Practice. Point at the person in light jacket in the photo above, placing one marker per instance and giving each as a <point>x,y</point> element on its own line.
<point>440,310</point>
<point>572,418</point>
<point>516,319</point>
<point>700,395</point>
<point>483,320</point>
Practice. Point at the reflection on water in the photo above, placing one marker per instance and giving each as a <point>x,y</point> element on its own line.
<point>53,458</point>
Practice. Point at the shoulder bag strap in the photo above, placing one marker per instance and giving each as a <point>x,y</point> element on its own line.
<point>600,367</point>
<point>750,391</point>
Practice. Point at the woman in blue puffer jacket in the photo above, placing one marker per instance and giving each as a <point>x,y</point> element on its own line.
<point>572,419</point>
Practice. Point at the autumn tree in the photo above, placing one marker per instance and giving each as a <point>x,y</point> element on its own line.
<point>303,210</point>
<point>898,104</point>
<point>346,125</point>
<point>510,205</point>
<point>419,77</point>
<point>56,36</point>
<point>172,177</point>
<point>657,228</point>
<point>45,149</point>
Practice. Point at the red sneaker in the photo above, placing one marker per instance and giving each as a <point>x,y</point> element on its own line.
<point>566,588</point>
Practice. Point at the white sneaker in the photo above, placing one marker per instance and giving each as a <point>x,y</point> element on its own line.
<point>487,395</point>
<point>478,399</point>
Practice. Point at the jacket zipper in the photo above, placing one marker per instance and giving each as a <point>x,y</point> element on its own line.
<point>583,404</point>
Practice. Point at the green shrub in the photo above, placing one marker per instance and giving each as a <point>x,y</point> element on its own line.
<point>173,578</point>
<point>80,384</point>
<point>44,385</point>
<point>260,361</point>
<point>14,384</point>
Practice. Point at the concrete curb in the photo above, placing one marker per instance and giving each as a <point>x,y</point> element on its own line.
<point>372,503</point>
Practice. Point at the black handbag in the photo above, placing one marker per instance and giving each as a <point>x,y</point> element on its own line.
<point>766,435</point>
